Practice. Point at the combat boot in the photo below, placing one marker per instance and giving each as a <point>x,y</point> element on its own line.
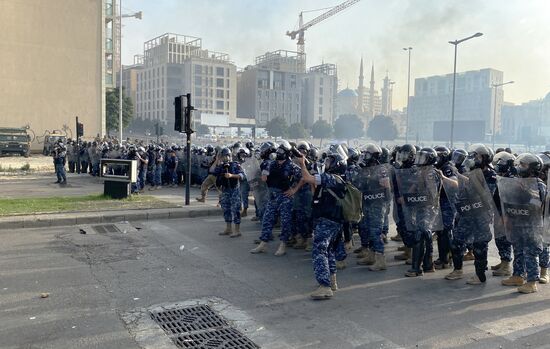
<point>323,292</point>
<point>244,212</point>
<point>236,232</point>
<point>300,243</point>
<point>513,280</point>
<point>396,238</point>
<point>496,266</point>
<point>417,257</point>
<point>438,264</point>
<point>348,246</point>
<point>333,283</point>
<point>309,245</point>
<point>379,262</point>
<point>474,280</point>
<point>363,253</point>
<point>341,265</point>
<point>281,251</point>
<point>455,275</point>
<point>404,256</point>
<point>504,270</point>
<point>227,230</point>
<point>358,249</point>
<point>261,248</point>
<point>368,259</point>
<point>529,287</point>
<point>255,219</point>
<point>469,256</point>
<point>201,199</point>
<point>543,279</point>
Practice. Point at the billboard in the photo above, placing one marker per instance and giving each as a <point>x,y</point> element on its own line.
<point>214,120</point>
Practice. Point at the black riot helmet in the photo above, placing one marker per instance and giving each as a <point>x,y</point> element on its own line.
<point>353,156</point>
<point>371,154</point>
<point>314,154</point>
<point>385,156</point>
<point>406,154</point>
<point>503,162</point>
<point>479,156</point>
<point>425,157</point>
<point>303,147</point>
<point>335,163</point>
<point>443,155</point>
<point>528,165</point>
<point>249,144</point>
<point>242,154</point>
<point>284,150</point>
<point>266,149</point>
<point>545,157</point>
<point>225,154</point>
<point>458,156</point>
<point>498,150</point>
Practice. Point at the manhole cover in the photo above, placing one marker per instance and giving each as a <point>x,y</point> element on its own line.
<point>222,338</point>
<point>106,228</point>
<point>200,327</point>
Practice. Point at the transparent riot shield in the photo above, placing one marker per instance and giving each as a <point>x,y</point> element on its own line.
<point>251,168</point>
<point>475,208</point>
<point>522,209</point>
<point>419,195</point>
<point>374,182</point>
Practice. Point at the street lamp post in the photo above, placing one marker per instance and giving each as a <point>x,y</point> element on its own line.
<point>455,43</point>
<point>408,94</point>
<point>496,86</point>
<point>137,15</point>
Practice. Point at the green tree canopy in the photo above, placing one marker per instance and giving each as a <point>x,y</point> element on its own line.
<point>277,128</point>
<point>382,128</point>
<point>321,129</point>
<point>348,126</point>
<point>297,131</point>
<point>112,109</point>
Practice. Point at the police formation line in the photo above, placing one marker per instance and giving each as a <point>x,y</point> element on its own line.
<point>464,198</point>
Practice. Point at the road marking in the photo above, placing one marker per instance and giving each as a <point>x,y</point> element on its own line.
<point>515,327</point>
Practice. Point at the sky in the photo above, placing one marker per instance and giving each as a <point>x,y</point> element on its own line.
<point>515,37</point>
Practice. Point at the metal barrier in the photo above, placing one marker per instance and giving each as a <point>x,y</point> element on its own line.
<point>118,176</point>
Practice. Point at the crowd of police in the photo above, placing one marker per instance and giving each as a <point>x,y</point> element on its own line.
<point>463,198</point>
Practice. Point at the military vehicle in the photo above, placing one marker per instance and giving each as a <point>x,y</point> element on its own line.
<point>15,140</point>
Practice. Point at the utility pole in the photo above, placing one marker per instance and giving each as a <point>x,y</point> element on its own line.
<point>408,94</point>
<point>188,131</point>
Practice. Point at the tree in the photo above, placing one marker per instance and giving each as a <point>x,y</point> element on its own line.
<point>297,131</point>
<point>113,107</point>
<point>277,128</point>
<point>382,128</point>
<point>321,129</point>
<point>202,130</point>
<point>348,126</point>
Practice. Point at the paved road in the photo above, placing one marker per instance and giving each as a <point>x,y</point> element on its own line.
<point>94,278</point>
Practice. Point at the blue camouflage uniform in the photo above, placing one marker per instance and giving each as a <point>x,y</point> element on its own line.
<point>528,247</point>
<point>260,207</point>
<point>59,162</point>
<point>328,226</point>
<point>504,246</point>
<point>230,200</point>
<point>302,210</point>
<point>448,213</point>
<point>474,228</point>
<point>280,178</point>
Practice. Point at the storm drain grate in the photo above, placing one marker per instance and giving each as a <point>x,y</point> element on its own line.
<point>200,327</point>
<point>106,228</point>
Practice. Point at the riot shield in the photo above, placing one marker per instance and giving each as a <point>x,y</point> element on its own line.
<point>374,182</point>
<point>419,194</point>
<point>521,209</point>
<point>251,168</point>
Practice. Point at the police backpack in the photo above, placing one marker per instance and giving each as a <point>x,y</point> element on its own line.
<point>351,203</point>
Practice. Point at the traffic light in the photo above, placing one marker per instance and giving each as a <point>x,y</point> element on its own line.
<point>79,129</point>
<point>178,122</point>
<point>188,115</point>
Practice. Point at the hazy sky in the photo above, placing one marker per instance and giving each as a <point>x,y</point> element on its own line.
<point>516,36</point>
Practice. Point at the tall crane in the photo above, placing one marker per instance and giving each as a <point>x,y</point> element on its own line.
<point>299,32</point>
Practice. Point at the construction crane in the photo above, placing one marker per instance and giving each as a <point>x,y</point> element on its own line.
<point>303,27</point>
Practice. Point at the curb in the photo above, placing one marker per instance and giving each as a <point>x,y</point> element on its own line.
<point>60,219</point>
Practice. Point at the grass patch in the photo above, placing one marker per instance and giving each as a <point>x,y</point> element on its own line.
<point>10,207</point>
<point>25,168</point>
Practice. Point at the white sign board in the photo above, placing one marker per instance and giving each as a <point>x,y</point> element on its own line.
<point>215,120</point>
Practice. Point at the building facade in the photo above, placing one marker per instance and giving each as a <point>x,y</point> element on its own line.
<point>53,65</point>
<point>527,123</point>
<point>430,106</point>
<point>319,95</point>
<point>175,65</point>
<point>272,88</point>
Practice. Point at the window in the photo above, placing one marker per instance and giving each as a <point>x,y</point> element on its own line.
<point>219,71</point>
<point>219,93</point>
<point>227,72</point>
<point>198,92</point>
<point>198,69</point>
<point>219,82</point>
<point>226,105</point>
<point>321,81</point>
<point>227,83</point>
<point>198,80</point>
<point>227,94</point>
<point>320,90</point>
<point>219,104</point>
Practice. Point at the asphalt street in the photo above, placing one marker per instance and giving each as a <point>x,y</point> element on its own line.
<point>93,279</point>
